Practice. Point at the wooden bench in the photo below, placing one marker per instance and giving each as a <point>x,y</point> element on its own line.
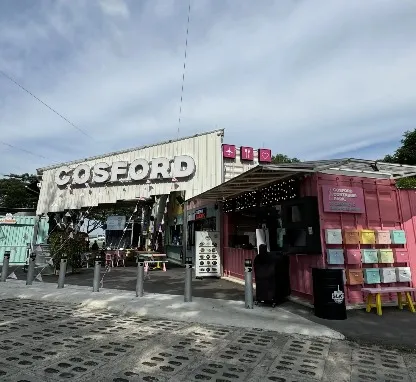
<point>379,291</point>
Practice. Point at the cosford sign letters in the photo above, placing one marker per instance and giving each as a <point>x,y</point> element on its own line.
<point>181,166</point>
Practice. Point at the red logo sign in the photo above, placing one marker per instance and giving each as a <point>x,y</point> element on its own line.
<point>246,153</point>
<point>228,151</point>
<point>265,155</point>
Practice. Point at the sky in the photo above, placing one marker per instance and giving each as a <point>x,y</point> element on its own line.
<point>311,79</point>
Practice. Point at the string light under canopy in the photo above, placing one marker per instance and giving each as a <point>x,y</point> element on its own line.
<point>267,196</point>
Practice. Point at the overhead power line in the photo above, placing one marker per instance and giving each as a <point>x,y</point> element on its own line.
<point>24,150</point>
<point>45,104</point>
<point>184,64</point>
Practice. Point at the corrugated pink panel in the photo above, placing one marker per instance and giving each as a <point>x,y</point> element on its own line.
<point>408,211</point>
<point>234,261</point>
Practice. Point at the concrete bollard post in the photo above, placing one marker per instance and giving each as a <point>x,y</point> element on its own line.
<point>31,269</point>
<point>140,278</point>
<point>97,273</point>
<point>248,283</point>
<point>5,268</point>
<point>62,271</point>
<point>188,280</point>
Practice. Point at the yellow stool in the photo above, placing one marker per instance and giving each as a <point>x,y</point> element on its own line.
<point>377,305</point>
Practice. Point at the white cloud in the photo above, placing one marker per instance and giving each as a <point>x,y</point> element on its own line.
<point>115,8</point>
<point>310,79</point>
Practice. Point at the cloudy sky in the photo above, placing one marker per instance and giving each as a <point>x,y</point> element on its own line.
<point>312,79</point>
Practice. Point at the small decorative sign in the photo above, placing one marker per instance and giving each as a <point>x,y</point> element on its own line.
<point>8,219</point>
<point>338,296</point>
<point>343,199</point>
<point>246,153</point>
<point>228,151</point>
<point>200,214</point>
<point>265,155</point>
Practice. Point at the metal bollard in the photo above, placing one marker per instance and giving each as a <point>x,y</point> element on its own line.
<point>97,273</point>
<point>5,269</point>
<point>31,269</point>
<point>188,280</point>
<point>62,271</point>
<point>140,278</point>
<point>248,283</point>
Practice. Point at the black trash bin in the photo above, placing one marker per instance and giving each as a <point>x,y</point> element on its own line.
<point>328,294</point>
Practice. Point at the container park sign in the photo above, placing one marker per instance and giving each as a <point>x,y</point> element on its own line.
<point>182,166</point>
<point>8,219</point>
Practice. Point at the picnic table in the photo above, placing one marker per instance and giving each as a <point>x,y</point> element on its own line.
<point>379,291</point>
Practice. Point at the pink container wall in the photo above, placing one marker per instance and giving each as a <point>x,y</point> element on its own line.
<point>407,200</point>
<point>385,208</point>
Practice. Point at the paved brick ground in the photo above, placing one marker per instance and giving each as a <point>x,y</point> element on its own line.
<point>42,341</point>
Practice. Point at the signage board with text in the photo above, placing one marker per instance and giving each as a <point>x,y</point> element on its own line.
<point>343,199</point>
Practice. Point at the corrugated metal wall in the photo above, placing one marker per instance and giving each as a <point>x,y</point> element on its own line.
<point>383,207</point>
<point>235,167</point>
<point>204,148</point>
<point>14,237</point>
<point>407,200</point>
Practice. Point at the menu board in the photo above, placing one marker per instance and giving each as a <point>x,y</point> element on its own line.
<point>208,259</point>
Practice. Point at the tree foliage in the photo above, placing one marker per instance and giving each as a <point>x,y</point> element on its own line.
<point>405,154</point>
<point>281,158</point>
<point>62,243</point>
<point>97,217</point>
<point>19,191</point>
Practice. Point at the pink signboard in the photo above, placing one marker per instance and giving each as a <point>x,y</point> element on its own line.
<point>246,153</point>
<point>228,151</point>
<point>265,155</point>
<point>343,199</point>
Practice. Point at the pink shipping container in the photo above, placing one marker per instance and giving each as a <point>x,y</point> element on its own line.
<point>386,208</point>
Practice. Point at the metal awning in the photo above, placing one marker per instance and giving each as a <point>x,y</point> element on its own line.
<point>263,175</point>
<point>252,180</point>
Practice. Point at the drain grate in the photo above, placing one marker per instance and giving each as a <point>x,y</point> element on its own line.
<point>215,371</point>
<point>210,332</point>
<point>33,357</point>
<point>299,366</point>
<point>70,368</point>
<point>365,374</point>
<point>38,335</point>
<point>256,338</point>
<point>130,376</point>
<point>6,328</point>
<point>240,355</point>
<point>378,358</point>
<point>307,348</point>
<point>110,350</point>
<point>165,363</point>
<point>195,345</point>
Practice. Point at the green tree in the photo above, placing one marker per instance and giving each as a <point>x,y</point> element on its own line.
<point>19,191</point>
<point>405,154</point>
<point>281,158</point>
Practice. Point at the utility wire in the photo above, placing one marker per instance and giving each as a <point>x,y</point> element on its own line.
<point>184,65</point>
<point>20,149</point>
<point>44,104</point>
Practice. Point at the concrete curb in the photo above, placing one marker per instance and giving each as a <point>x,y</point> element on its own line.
<point>200,310</point>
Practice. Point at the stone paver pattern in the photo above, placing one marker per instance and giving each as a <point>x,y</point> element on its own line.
<point>44,341</point>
